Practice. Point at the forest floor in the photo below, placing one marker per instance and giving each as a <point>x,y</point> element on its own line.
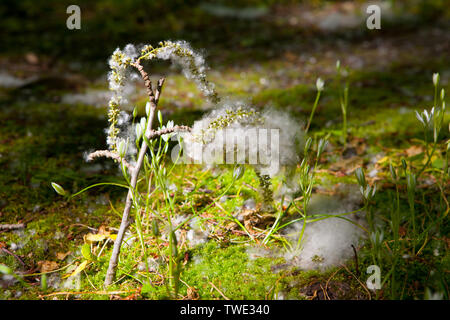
<point>53,111</point>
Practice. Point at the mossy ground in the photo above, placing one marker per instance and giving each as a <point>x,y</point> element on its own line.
<point>43,140</point>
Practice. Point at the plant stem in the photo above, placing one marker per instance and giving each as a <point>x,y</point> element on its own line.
<point>313,110</point>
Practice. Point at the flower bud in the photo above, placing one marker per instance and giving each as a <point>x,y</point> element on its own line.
<point>160,118</point>
<point>404,165</point>
<point>143,123</point>
<point>307,145</point>
<point>435,79</point>
<point>319,84</point>
<point>59,190</point>
<point>238,172</point>
<point>122,148</point>
<point>361,177</point>
<point>321,147</point>
<point>138,132</point>
<point>393,173</point>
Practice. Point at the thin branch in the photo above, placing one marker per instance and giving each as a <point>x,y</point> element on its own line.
<point>147,82</point>
<point>108,154</point>
<point>217,289</point>
<point>158,89</point>
<point>158,133</point>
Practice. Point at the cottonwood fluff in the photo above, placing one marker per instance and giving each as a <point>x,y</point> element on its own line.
<point>327,242</point>
<point>234,132</point>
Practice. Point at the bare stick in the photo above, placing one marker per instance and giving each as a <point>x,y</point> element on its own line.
<point>12,226</point>
<point>153,100</point>
<point>15,256</point>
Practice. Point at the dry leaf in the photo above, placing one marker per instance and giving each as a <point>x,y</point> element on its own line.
<point>95,237</point>
<point>383,160</point>
<point>413,151</point>
<point>47,266</point>
<point>80,268</point>
<point>347,165</point>
<point>62,255</point>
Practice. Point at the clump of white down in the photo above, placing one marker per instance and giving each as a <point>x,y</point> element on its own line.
<point>192,63</point>
<point>207,146</point>
<point>326,242</point>
<point>120,80</point>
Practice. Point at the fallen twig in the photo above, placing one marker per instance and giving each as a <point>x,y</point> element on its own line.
<point>221,293</point>
<point>12,226</point>
<point>87,292</point>
<point>161,132</point>
<point>14,255</point>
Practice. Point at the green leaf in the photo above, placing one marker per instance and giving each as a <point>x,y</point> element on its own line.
<point>5,270</point>
<point>44,282</point>
<point>59,190</point>
<point>86,252</point>
<point>438,163</point>
<point>80,268</point>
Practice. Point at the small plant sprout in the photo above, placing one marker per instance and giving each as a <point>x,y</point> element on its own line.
<point>432,120</point>
<point>319,86</point>
<point>393,172</point>
<point>367,192</point>
<point>307,180</point>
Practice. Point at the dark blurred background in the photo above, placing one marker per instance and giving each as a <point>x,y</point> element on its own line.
<point>228,29</point>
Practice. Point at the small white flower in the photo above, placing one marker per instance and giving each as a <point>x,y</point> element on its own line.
<point>143,124</point>
<point>170,124</point>
<point>139,131</point>
<point>319,84</point>
<point>425,118</point>
<point>122,148</point>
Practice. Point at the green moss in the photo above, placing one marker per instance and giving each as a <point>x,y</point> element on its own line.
<point>229,269</point>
